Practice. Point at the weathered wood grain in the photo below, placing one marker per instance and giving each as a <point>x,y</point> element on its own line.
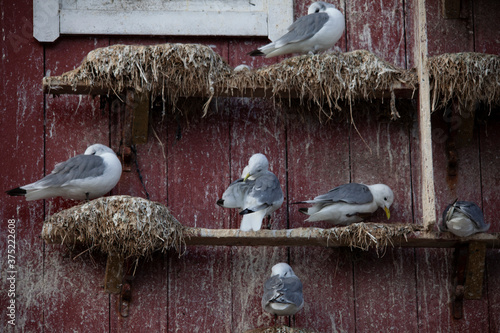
<point>318,160</point>
<point>72,124</point>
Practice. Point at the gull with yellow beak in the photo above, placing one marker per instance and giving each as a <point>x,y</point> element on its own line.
<point>349,203</point>
<point>257,194</point>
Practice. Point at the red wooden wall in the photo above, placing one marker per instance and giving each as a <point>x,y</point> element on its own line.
<point>218,289</point>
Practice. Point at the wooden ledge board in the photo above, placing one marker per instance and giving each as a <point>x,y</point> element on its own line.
<point>319,237</point>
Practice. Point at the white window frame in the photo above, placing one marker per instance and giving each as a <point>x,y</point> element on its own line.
<point>52,18</point>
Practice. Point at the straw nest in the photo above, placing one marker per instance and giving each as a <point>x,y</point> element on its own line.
<point>279,329</point>
<point>467,78</point>
<point>365,235</point>
<point>328,77</point>
<point>169,70</point>
<point>124,225</point>
<point>186,70</point>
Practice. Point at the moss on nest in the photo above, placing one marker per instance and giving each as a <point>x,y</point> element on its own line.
<point>124,225</point>
<point>365,235</point>
<point>468,78</point>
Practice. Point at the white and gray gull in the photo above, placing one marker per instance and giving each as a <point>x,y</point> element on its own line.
<point>282,292</point>
<point>463,218</point>
<point>349,203</point>
<point>316,32</point>
<point>86,176</point>
<point>256,194</point>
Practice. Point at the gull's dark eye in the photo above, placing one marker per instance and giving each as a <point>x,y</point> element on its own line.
<point>385,198</point>
<point>317,10</point>
<point>93,153</point>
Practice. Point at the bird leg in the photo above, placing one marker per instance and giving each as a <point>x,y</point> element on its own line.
<point>87,198</point>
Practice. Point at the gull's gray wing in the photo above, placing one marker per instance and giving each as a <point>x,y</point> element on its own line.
<point>266,191</point>
<point>286,290</point>
<point>473,212</point>
<point>234,195</point>
<point>78,167</point>
<point>352,193</point>
<point>303,28</point>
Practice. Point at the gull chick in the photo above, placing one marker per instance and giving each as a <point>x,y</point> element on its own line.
<point>316,32</point>
<point>463,218</point>
<point>86,176</point>
<point>349,203</point>
<point>282,292</point>
<point>256,194</point>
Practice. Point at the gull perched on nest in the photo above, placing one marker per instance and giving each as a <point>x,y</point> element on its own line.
<point>349,203</point>
<point>316,32</point>
<point>282,292</point>
<point>86,176</point>
<point>463,218</point>
<point>256,194</point>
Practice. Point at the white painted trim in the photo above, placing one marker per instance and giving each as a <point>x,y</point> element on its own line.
<point>269,18</point>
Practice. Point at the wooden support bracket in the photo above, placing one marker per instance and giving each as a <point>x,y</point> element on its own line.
<point>475,271</point>
<point>469,262</point>
<point>137,116</point>
<point>114,274</point>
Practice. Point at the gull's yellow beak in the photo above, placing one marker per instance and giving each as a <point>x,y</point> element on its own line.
<point>246,177</point>
<point>387,212</point>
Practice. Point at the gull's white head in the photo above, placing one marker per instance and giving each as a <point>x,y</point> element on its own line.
<point>98,149</point>
<point>282,269</point>
<point>319,6</point>
<point>383,196</point>
<point>257,164</point>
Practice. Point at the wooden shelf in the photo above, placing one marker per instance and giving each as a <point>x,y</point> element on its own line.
<point>56,86</point>
<point>323,237</point>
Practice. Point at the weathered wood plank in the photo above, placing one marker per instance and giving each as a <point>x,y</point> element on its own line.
<point>256,127</point>
<point>72,124</point>
<point>320,237</point>
<point>377,27</point>
<point>22,162</point>
<point>199,297</point>
<point>149,280</point>
<point>486,26</point>
<point>318,160</point>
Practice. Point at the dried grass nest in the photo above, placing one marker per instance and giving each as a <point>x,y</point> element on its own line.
<point>467,78</point>
<point>364,235</point>
<point>187,70</point>
<point>129,226</point>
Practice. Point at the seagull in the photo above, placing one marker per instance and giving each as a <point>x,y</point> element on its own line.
<point>316,32</point>
<point>256,194</point>
<point>282,292</point>
<point>463,218</point>
<point>349,203</point>
<point>86,176</point>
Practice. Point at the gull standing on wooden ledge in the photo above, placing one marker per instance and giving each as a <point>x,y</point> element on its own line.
<point>86,176</point>
<point>316,32</point>
<point>349,203</point>
<point>282,292</point>
<point>463,218</point>
<point>257,194</point>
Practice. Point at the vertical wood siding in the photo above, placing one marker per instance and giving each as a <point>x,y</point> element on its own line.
<point>188,161</point>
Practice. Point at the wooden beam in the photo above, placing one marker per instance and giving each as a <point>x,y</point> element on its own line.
<point>426,165</point>
<point>56,86</point>
<point>322,237</point>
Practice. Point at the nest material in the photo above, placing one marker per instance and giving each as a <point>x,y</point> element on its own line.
<point>121,224</point>
<point>187,70</point>
<point>328,77</point>
<point>169,70</point>
<point>468,78</point>
<point>279,329</point>
<point>365,235</point>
